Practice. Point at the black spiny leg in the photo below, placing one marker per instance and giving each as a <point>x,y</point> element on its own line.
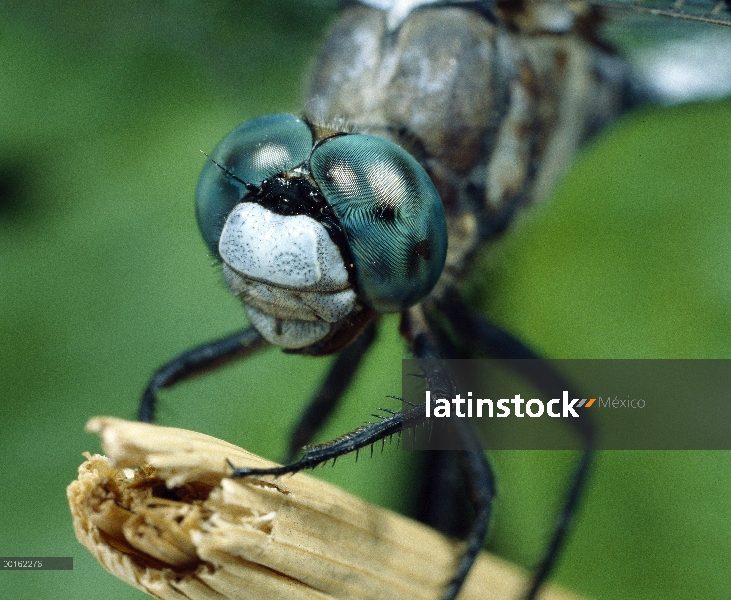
<point>475,466</point>
<point>488,338</point>
<point>331,390</point>
<point>197,361</point>
<point>478,473</point>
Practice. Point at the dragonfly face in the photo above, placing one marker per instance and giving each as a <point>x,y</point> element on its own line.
<point>317,230</point>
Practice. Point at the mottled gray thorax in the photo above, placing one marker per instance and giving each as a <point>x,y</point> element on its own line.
<point>493,108</point>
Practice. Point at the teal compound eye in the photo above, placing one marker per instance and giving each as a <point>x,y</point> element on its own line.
<point>251,153</point>
<point>391,214</point>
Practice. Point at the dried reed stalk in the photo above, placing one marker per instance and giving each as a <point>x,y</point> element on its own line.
<point>159,513</point>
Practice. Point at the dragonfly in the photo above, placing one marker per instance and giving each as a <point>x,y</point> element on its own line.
<point>429,126</point>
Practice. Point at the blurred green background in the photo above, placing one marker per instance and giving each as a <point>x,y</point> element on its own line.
<point>104,108</point>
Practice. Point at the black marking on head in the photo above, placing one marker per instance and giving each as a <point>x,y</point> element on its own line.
<point>385,212</point>
<point>414,265</point>
<point>422,249</point>
<point>289,196</point>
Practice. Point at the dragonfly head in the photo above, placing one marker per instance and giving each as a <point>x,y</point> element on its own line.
<point>317,232</point>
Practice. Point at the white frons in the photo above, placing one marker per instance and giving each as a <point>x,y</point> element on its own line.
<point>293,252</point>
<point>289,273</point>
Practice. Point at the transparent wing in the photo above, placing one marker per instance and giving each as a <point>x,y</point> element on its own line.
<point>675,60</point>
<point>717,12</point>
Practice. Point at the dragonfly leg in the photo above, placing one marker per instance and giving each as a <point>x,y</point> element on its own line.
<point>478,475</point>
<point>472,459</point>
<point>486,338</point>
<point>196,361</point>
<point>331,390</point>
